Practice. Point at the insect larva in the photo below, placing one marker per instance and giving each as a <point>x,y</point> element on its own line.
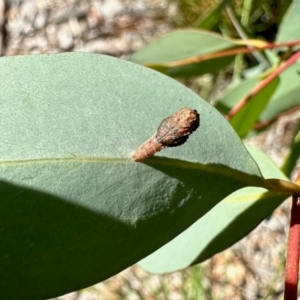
<point>173,131</point>
<point>147,149</point>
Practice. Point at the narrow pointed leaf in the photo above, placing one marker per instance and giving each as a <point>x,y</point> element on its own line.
<point>286,96</point>
<point>289,28</point>
<point>283,99</point>
<point>243,121</point>
<point>190,45</point>
<point>235,94</point>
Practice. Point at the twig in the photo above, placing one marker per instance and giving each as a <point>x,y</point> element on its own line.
<point>293,250</point>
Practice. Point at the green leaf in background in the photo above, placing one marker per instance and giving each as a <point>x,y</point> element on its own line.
<point>225,224</point>
<point>181,44</point>
<point>243,120</point>
<point>235,94</point>
<point>207,66</point>
<point>74,208</point>
<point>287,94</point>
<point>185,44</point>
<point>289,29</point>
<point>284,98</point>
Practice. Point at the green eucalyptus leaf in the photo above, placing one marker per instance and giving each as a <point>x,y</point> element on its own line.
<point>235,93</point>
<point>289,29</point>
<point>244,119</point>
<point>196,69</point>
<point>164,53</point>
<point>75,209</point>
<point>285,97</point>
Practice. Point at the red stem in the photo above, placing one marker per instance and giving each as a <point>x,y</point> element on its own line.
<point>292,260</point>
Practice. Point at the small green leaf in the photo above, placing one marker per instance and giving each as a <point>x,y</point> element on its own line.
<point>285,97</point>
<point>196,69</point>
<point>185,44</point>
<point>181,44</point>
<point>289,29</point>
<point>243,121</point>
<point>225,224</point>
<point>235,94</point>
<point>287,94</point>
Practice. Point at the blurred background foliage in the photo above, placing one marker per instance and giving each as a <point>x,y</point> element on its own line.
<point>258,18</point>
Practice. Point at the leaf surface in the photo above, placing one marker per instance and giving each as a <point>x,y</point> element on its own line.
<point>289,29</point>
<point>286,96</point>
<point>74,208</point>
<point>243,120</point>
<point>225,224</point>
